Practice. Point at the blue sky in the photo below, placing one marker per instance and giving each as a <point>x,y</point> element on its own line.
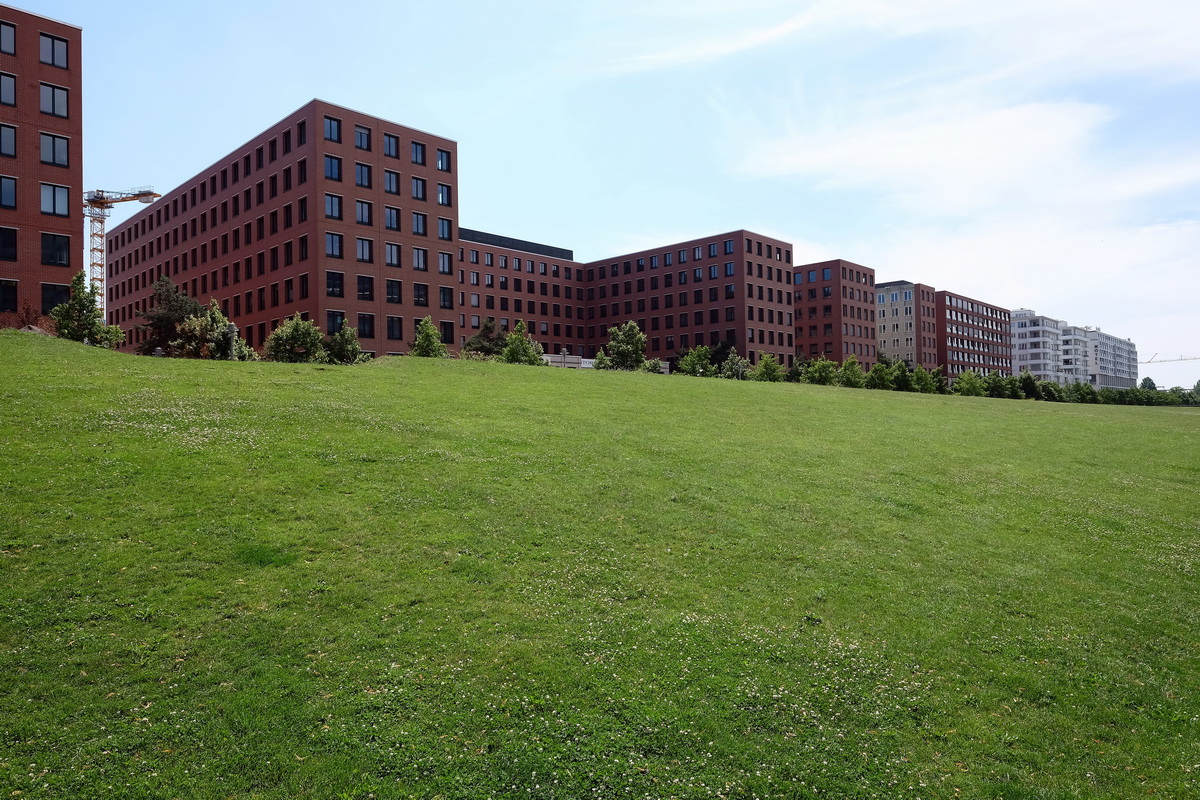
<point>1037,153</point>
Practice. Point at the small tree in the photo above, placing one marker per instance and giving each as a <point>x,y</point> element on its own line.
<point>696,362</point>
<point>601,361</point>
<point>821,372</point>
<point>1029,385</point>
<point>1148,384</point>
<point>520,349</point>
<point>169,308</point>
<point>922,381</point>
<point>652,365</point>
<point>767,370</point>
<point>343,347</point>
<point>902,378</point>
<point>969,384</point>
<point>941,384</point>
<point>80,318</point>
<point>488,342</point>
<point>735,368</point>
<point>208,335</point>
<point>1050,391</point>
<point>880,376</point>
<point>850,374</point>
<point>626,347</point>
<point>1079,392</point>
<point>296,341</point>
<point>428,343</point>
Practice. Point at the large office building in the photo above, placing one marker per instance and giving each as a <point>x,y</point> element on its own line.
<point>835,311</point>
<point>1084,354</point>
<point>1037,346</point>
<point>347,219</point>
<point>41,160</point>
<point>907,323</point>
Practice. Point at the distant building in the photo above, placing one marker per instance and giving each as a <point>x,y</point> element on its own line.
<point>1037,346</point>
<point>41,160</point>
<point>835,311</point>
<point>908,323</point>
<point>1097,358</point>
<point>731,291</point>
<point>972,335</point>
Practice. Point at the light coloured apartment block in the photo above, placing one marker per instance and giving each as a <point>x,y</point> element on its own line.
<point>1055,351</point>
<point>1037,346</point>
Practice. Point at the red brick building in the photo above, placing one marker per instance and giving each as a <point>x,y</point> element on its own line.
<point>342,218</point>
<point>731,289</point>
<point>835,311</point>
<point>972,335</point>
<point>41,160</point>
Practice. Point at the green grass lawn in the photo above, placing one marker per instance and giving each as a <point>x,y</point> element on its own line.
<point>426,578</point>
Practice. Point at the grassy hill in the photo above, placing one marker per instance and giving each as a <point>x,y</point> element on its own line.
<point>419,578</point>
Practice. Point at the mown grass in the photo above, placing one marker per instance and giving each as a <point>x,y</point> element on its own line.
<point>420,578</point>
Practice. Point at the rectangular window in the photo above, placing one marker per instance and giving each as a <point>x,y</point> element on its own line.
<point>8,245</point>
<point>334,321</point>
<point>395,328</point>
<point>362,175</point>
<point>443,195</point>
<point>56,250</point>
<point>54,294</point>
<point>8,38</point>
<point>421,294</point>
<point>445,263</point>
<point>445,297</point>
<point>333,129</point>
<point>333,245</point>
<point>364,248</point>
<point>391,145</point>
<point>333,206</point>
<point>393,291</point>
<point>8,89</point>
<point>420,260</point>
<point>391,218</point>
<point>418,153</point>
<point>362,138</point>
<point>333,168</point>
<point>366,287</point>
<point>366,326</point>
<point>418,188</point>
<point>443,160</point>
<point>55,200</point>
<point>418,224</point>
<point>54,51</point>
<point>335,284</point>
<point>391,254</point>
<point>54,149</point>
<point>8,192</point>
<point>362,212</point>
<point>54,100</point>
<point>8,141</point>
<point>391,182</point>
<point>445,229</point>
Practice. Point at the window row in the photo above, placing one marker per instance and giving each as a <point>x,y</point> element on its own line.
<point>332,127</point>
<point>56,248</point>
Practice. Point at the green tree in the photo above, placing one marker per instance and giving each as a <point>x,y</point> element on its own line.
<point>994,385</point>
<point>428,343</point>
<point>1050,391</point>
<point>923,381</point>
<point>488,342</point>
<point>1029,385</point>
<point>296,341</point>
<point>601,361</point>
<point>626,347</point>
<point>343,347</point>
<point>941,384</point>
<point>881,376</point>
<point>902,378</point>
<point>768,369</point>
<point>696,362</point>
<point>169,307</point>
<point>969,384</point>
<point>1079,392</point>
<point>209,335</point>
<point>520,349</point>
<point>1148,384</point>
<point>652,365</point>
<point>821,372</point>
<point>734,368</point>
<point>80,318</point>
<point>850,374</point>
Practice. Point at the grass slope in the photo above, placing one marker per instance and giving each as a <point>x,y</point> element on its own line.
<point>436,578</point>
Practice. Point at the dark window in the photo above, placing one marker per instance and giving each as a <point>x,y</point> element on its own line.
<point>8,38</point>
<point>333,168</point>
<point>8,140</point>
<point>334,321</point>
<point>54,294</point>
<point>443,160</point>
<point>445,229</point>
<point>54,51</point>
<point>364,250</point>
<point>393,291</point>
<point>366,287</point>
<point>391,218</point>
<point>56,250</point>
<point>448,332</point>
<point>362,137</point>
<point>391,182</point>
<point>420,294</point>
<point>55,200</point>
<point>391,254</point>
<point>395,327</point>
<point>418,153</point>
<point>420,260</point>
<point>418,224</point>
<point>54,149</point>
<point>418,188</point>
<point>333,245</point>
<point>333,129</point>
<point>362,212</point>
<point>8,192</point>
<point>443,195</point>
<point>8,244</point>
<point>335,284</point>
<point>54,100</point>
<point>366,326</point>
<point>391,145</point>
<point>362,175</point>
<point>445,297</point>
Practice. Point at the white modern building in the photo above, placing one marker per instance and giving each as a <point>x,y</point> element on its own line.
<point>1064,354</point>
<point>1037,346</point>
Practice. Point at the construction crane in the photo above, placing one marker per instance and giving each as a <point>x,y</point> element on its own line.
<point>97,206</point>
<point>1154,359</point>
